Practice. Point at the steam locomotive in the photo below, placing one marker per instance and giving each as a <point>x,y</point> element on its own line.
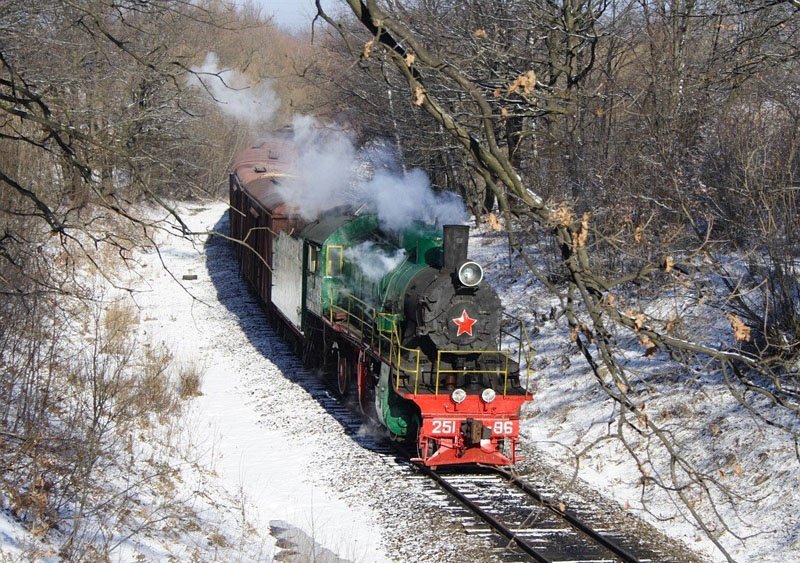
<point>401,321</point>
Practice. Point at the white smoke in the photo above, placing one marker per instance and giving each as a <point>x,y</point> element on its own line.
<point>232,92</point>
<point>331,172</point>
<point>324,174</point>
<point>400,200</point>
<point>374,261</point>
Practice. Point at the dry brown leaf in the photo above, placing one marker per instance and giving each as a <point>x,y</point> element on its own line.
<point>738,469</point>
<point>741,332</point>
<point>40,529</point>
<point>504,112</point>
<point>611,299</point>
<point>419,95</point>
<point>562,215</point>
<point>670,325</point>
<point>494,222</point>
<point>410,58</point>
<point>583,233</point>
<point>669,262</point>
<point>638,234</point>
<point>480,33</point>
<point>497,93</point>
<point>525,82</point>
<point>368,48</point>
<point>621,386</point>
<point>649,346</point>
<point>562,507</point>
<point>637,317</point>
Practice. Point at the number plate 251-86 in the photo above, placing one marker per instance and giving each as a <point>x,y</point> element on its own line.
<point>448,427</point>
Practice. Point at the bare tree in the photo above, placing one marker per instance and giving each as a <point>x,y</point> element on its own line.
<point>97,127</point>
<point>607,98</point>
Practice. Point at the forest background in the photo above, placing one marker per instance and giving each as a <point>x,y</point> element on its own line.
<point>650,146</point>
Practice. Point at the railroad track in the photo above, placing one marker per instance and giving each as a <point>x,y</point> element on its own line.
<point>522,524</point>
<point>517,522</point>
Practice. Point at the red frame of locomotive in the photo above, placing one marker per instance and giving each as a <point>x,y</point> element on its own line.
<point>451,448</point>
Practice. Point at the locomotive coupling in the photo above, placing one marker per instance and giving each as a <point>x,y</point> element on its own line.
<point>473,431</point>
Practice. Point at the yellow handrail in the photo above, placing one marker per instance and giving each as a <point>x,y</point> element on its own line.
<point>503,372</point>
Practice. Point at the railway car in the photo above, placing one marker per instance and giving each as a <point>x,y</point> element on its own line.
<point>402,321</point>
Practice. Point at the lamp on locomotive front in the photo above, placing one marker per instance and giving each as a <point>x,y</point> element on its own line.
<point>470,274</point>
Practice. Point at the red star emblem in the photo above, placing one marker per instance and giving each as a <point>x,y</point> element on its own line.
<point>464,323</point>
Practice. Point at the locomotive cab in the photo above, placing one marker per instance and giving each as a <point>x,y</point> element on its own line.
<point>452,317</point>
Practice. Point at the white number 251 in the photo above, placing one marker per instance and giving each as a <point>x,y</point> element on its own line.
<point>444,426</point>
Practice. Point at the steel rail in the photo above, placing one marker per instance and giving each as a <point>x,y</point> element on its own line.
<point>491,520</point>
<point>569,516</point>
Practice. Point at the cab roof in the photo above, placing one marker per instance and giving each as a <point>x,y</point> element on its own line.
<point>319,231</point>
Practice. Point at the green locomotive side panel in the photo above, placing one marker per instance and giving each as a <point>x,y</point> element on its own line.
<point>398,415</point>
<point>424,243</point>
<point>393,286</point>
<point>337,266</point>
<point>365,272</point>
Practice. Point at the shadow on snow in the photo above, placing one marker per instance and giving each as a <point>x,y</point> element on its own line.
<point>235,295</point>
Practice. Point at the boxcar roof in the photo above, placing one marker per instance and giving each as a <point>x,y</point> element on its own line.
<point>262,166</point>
<point>264,192</point>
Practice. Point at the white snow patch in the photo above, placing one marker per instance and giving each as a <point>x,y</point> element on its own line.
<point>269,456</point>
<point>715,432</point>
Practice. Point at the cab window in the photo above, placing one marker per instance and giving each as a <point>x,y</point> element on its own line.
<point>313,259</point>
<point>335,261</point>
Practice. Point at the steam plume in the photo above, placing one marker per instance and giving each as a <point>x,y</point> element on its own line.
<point>254,104</point>
<point>374,261</point>
<point>330,171</point>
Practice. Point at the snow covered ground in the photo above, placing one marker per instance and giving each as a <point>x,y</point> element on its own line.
<point>266,439</point>
<point>276,475</point>
<point>758,463</point>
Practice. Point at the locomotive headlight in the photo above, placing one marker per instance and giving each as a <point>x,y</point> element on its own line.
<point>488,395</point>
<point>470,274</point>
<point>458,396</point>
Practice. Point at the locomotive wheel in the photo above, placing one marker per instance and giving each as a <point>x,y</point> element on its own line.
<point>343,373</point>
<point>311,352</point>
<point>366,387</point>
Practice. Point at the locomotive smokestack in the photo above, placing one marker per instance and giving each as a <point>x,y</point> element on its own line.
<point>456,239</point>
